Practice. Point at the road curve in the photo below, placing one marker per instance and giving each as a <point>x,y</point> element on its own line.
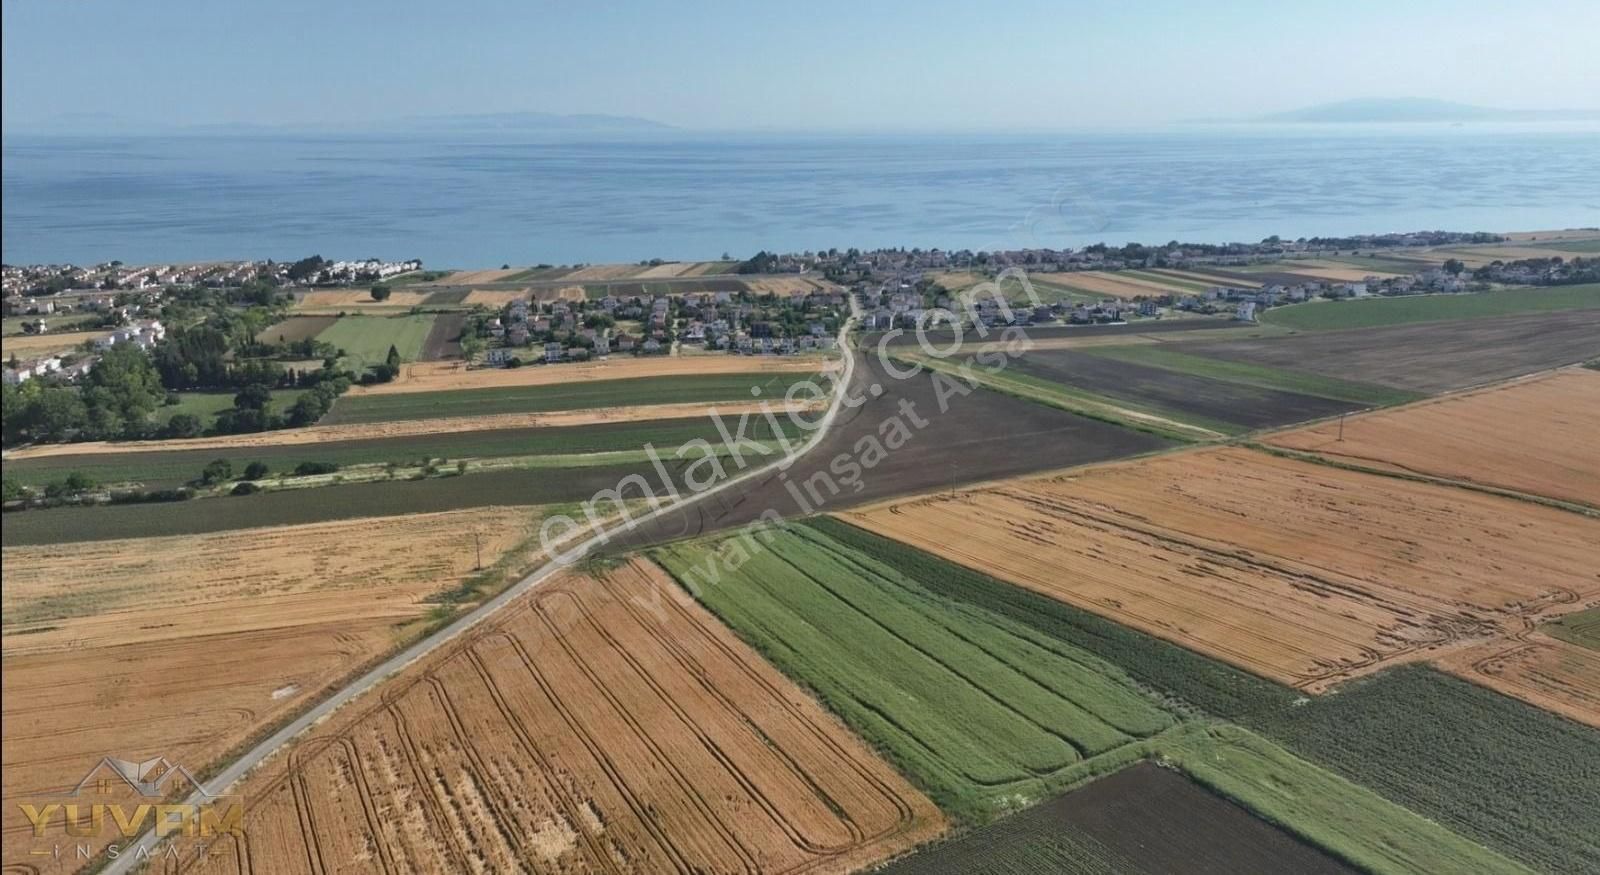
<point>130,856</point>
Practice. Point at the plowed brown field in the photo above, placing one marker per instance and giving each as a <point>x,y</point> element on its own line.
<point>1552,674</point>
<point>1296,571</point>
<point>601,724</point>
<point>1535,436</point>
<point>187,646</point>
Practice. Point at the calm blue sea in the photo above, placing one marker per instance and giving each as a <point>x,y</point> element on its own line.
<point>479,202</point>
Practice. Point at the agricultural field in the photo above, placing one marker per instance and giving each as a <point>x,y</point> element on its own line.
<point>175,466</point>
<point>1549,673</point>
<point>1199,400</point>
<point>229,633</point>
<point>1481,437</point>
<point>1426,357</point>
<point>1517,779</point>
<point>443,340</point>
<point>601,722</point>
<point>366,339</point>
<point>295,329</point>
<point>1375,312</point>
<point>340,501</point>
<point>1580,627</point>
<point>594,394</point>
<point>982,711</point>
<point>442,376</point>
<point>357,301</point>
<point>25,346</point>
<point>1171,357</point>
<point>1298,572</point>
<point>1142,819</point>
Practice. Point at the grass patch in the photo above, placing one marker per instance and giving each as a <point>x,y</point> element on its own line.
<point>206,405</point>
<point>366,339</point>
<point>1581,628</point>
<point>698,388</point>
<point>1167,357</point>
<point>1518,779</point>
<point>1374,312</point>
<point>983,711</point>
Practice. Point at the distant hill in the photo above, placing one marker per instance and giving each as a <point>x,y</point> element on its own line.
<point>1418,109</point>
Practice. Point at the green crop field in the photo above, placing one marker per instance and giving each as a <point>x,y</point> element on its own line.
<point>1373,312</point>
<point>981,710</point>
<point>1581,628</point>
<point>587,395</point>
<point>156,468</point>
<point>1170,356</point>
<point>1520,780</point>
<point>207,405</point>
<point>366,339</point>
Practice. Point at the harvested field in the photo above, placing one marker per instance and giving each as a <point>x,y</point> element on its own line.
<point>444,338</point>
<point>229,633</point>
<point>253,442</point>
<point>477,277</point>
<point>601,724</point>
<point>25,346</point>
<point>1209,279</point>
<point>339,502</point>
<point>1294,571</point>
<point>788,286</point>
<point>1535,436</point>
<point>295,329</point>
<point>1427,357</point>
<point>546,294</point>
<point>448,297</point>
<point>1103,283</point>
<point>494,298</point>
<point>603,272</point>
<point>439,377</point>
<point>589,395</point>
<point>1143,819</point>
<point>1196,399</point>
<point>355,300</point>
<point>1516,779</point>
<point>978,708</point>
<point>1549,673</point>
<point>1376,312</point>
<point>926,432</point>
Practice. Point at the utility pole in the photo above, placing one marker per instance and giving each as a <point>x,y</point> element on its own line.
<point>477,546</point>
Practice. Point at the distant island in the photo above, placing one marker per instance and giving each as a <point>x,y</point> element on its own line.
<point>1377,110</point>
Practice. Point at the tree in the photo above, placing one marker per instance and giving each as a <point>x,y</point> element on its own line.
<point>56,414</point>
<point>183,425</point>
<point>393,358</point>
<point>255,396</point>
<point>256,470</point>
<point>216,471</point>
<point>471,345</point>
<point>380,292</point>
<point>1454,266</point>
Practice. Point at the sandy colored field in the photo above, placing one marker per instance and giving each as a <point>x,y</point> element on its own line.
<point>35,345</point>
<point>187,646</point>
<point>786,286</point>
<point>442,376</point>
<point>1333,272</point>
<point>1567,234</point>
<point>1213,279</point>
<point>492,298</point>
<point>1535,436</point>
<point>1537,669</point>
<point>357,300</point>
<point>667,271</point>
<point>603,272</point>
<point>1296,571</point>
<point>1099,283</point>
<point>602,724</point>
<point>405,428</point>
<point>546,294</point>
<point>474,277</point>
<point>1151,286</point>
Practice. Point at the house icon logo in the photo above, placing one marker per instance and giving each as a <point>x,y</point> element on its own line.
<point>149,778</point>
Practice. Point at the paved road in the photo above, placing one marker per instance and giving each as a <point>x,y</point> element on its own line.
<point>130,858</point>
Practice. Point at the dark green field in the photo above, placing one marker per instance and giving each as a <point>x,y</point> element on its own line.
<point>177,467</point>
<point>1581,628</point>
<point>1520,780</point>
<point>1170,357</point>
<point>1373,312</point>
<point>291,506</point>
<point>708,388</point>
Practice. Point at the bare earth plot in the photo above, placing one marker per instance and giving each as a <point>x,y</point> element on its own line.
<point>295,328</point>
<point>1427,357</point>
<point>603,724</point>
<point>1535,436</point>
<point>186,646</point>
<point>474,277</point>
<point>444,338</point>
<point>1295,571</point>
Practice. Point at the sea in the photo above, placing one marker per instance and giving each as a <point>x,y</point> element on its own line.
<point>483,200</point>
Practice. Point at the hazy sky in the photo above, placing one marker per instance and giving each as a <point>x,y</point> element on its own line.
<point>918,64</point>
